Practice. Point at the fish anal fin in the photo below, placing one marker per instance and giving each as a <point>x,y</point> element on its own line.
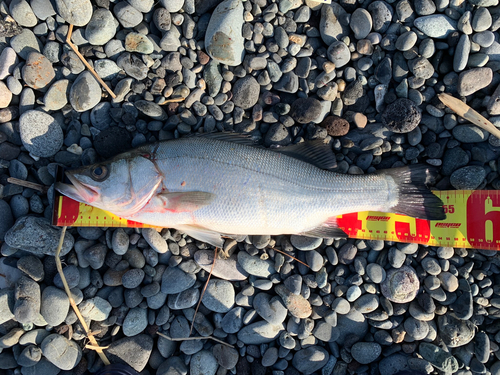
<point>180,201</point>
<point>202,234</point>
<point>316,152</point>
<point>329,229</point>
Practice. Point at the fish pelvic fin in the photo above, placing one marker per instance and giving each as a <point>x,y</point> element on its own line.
<point>202,234</point>
<point>329,229</point>
<point>415,199</point>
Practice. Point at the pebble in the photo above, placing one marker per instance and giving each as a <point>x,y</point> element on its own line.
<point>8,61</point>
<point>85,83</point>
<point>436,26</point>
<point>76,12</point>
<point>203,363</point>
<point>259,333</point>
<point>175,280</point>
<point>227,269</point>
<point>439,358</point>
<point>330,28</point>
<point>246,92</point>
<point>56,96</point>
<point>54,305</point>
<point>96,309</point>
<point>335,126</point>
<point>473,80</point>
<point>401,116</point>
<point>271,309</point>
<point>297,305</point>
<point>401,285</point>
<point>255,266</point>
<point>361,23</point>
<point>135,322</point>
<point>154,240</point>
<point>219,296</point>
<point>305,243</point>
<point>101,27</point>
<point>22,13</point>
<point>60,351</point>
<point>223,39</point>
<point>382,14</point>
<point>339,54</point>
<point>37,236</point>
<point>38,71</point>
<point>30,356</point>
<point>310,359</point>
<point>455,332</point>
<point>5,95</point>
<point>366,352</point>
<point>136,42</point>
<point>127,15</point>
<point>134,351</point>
<point>468,178</point>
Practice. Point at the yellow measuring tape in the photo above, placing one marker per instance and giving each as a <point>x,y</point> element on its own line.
<point>473,221</point>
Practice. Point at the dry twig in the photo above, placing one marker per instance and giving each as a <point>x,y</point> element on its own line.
<point>203,292</point>
<point>463,110</point>
<point>94,345</point>
<point>173,100</point>
<point>16,181</point>
<point>288,255</point>
<point>195,338</point>
<point>89,67</point>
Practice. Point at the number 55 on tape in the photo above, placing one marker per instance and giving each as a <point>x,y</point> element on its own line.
<point>473,221</point>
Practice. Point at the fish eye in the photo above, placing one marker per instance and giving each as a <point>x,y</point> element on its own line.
<point>99,173</point>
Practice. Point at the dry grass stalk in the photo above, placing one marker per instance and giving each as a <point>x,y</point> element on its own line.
<point>94,345</point>
<point>203,292</point>
<point>89,67</point>
<point>195,338</point>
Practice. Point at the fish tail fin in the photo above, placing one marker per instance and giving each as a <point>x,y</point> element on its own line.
<point>415,199</point>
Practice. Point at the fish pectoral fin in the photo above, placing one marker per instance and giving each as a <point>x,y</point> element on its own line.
<point>202,234</point>
<point>328,229</point>
<point>184,202</point>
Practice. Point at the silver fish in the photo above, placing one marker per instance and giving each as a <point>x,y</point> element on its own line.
<point>214,184</point>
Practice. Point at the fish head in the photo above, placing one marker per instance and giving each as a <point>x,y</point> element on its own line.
<point>122,185</point>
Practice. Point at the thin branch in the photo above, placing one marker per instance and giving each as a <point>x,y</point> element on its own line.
<point>195,338</point>
<point>91,338</point>
<point>89,67</point>
<point>463,110</point>
<point>288,255</point>
<point>16,181</point>
<point>173,100</point>
<point>203,292</point>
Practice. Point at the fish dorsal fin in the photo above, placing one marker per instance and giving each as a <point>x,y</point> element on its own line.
<point>239,138</point>
<point>315,152</point>
<point>329,229</point>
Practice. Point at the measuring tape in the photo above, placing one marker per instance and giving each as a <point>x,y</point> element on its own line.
<point>472,221</point>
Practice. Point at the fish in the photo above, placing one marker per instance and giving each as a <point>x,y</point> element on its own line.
<point>220,184</point>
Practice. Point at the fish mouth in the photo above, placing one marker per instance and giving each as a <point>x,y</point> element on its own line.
<point>79,191</point>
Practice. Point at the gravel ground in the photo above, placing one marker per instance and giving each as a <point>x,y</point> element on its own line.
<point>362,74</point>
